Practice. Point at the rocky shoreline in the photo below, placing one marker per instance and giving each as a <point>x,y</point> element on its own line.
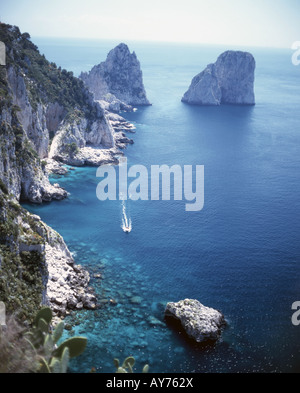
<point>66,284</point>
<point>43,131</point>
<point>50,119</point>
<point>90,155</point>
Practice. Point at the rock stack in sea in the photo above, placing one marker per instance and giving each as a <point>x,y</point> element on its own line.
<point>228,81</point>
<point>203,324</point>
<point>118,81</point>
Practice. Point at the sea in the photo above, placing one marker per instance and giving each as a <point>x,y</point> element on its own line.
<point>240,254</point>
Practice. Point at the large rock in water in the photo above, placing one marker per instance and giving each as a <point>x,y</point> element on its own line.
<point>120,76</point>
<point>228,81</point>
<point>199,322</point>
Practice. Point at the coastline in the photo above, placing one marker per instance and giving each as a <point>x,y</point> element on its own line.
<point>43,129</point>
<point>239,255</point>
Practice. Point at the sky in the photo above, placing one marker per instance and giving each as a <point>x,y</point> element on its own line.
<point>267,23</point>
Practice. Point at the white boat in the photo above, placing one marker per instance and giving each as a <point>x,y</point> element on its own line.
<point>127,229</point>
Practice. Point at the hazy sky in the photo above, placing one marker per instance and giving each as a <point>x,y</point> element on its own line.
<point>233,22</point>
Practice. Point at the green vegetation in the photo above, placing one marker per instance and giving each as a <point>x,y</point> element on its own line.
<point>127,366</point>
<point>21,273</point>
<point>5,98</point>
<point>37,350</point>
<point>71,149</point>
<point>21,281</point>
<point>53,357</point>
<point>3,187</point>
<point>45,81</point>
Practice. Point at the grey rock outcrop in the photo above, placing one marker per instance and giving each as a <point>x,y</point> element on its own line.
<point>67,285</point>
<point>199,322</point>
<point>33,121</point>
<point>68,136</point>
<point>118,80</point>
<point>32,255</point>
<point>36,266</point>
<point>228,81</point>
<point>74,141</point>
<point>20,168</point>
<point>49,114</point>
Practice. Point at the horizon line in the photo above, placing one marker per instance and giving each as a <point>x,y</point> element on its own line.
<point>184,42</point>
<point>159,42</point>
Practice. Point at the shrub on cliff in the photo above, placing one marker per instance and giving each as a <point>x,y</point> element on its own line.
<point>45,81</point>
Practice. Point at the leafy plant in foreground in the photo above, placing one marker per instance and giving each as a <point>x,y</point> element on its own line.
<point>127,366</point>
<point>53,358</point>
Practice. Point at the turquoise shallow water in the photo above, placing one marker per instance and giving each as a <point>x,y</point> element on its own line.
<point>240,254</point>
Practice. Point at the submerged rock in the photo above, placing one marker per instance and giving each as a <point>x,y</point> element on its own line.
<point>153,321</point>
<point>199,322</point>
<point>136,300</point>
<point>228,81</point>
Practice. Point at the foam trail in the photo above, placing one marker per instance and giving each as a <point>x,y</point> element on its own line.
<point>126,222</point>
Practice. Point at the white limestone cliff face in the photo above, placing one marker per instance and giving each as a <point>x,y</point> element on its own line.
<point>20,169</point>
<point>66,283</point>
<point>36,188</point>
<point>33,120</point>
<point>49,120</point>
<point>118,80</point>
<point>85,143</point>
<point>39,123</point>
<point>228,81</point>
<point>91,143</point>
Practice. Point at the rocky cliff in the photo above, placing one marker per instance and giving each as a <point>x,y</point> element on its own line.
<point>36,266</point>
<point>48,118</point>
<point>54,106</point>
<point>38,103</point>
<point>118,80</point>
<point>21,170</point>
<point>228,81</point>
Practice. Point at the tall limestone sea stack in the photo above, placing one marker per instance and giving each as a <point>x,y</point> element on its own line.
<point>228,81</point>
<point>118,80</point>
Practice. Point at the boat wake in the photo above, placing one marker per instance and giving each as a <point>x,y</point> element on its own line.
<point>126,221</point>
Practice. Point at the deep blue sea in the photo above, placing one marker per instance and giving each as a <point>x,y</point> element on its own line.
<point>240,254</point>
